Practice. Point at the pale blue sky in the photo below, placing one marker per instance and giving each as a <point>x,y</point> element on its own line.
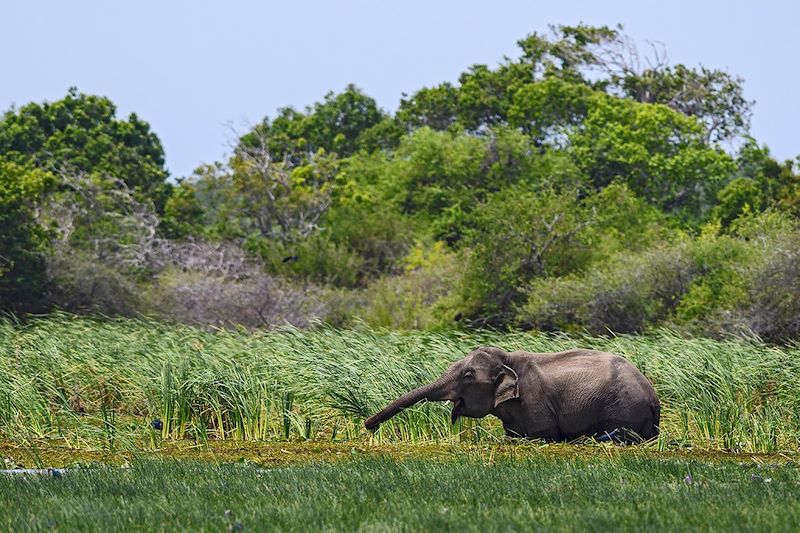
<point>191,67</point>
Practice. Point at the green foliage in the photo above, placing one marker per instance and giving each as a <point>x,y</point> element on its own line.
<point>721,285</point>
<point>568,51</point>
<point>82,131</point>
<point>520,235</point>
<point>438,170</point>
<point>659,153</point>
<point>380,236</point>
<point>334,125</point>
<point>715,97</point>
<point>183,212</point>
<point>483,94</point>
<point>254,195</point>
<point>740,281</point>
<point>625,294</point>
<point>777,183</point>
<point>625,222</point>
<point>435,107</point>
<point>771,305</point>
<point>421,296</point>
<point>318,259</point>
<point>740,196</point>
<point>23,241</point>
<point>550,109</point>
<point>548,183</point>
<point>486,98</point>
<point>359,242</point>
<point>442,177</point>
<point>385,135</point>
<point>635,276</point>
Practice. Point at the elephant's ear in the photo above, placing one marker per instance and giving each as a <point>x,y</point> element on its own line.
<point>507,386</point>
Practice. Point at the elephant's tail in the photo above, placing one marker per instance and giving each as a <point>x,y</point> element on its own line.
<point>655,409</point>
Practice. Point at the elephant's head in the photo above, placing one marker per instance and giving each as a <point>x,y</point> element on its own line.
<point>475,385</point>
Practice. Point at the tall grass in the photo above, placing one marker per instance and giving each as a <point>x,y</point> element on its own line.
<point>320,384</point>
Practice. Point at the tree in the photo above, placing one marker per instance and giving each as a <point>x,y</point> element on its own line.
<point>580,57</point>
<point>101,243</point>
<point>183,213</point>
<point>659,153</point>
<point>82,131</point>
<point>740,196</point>
<point>334,125</point>
<point>569,53</point>
<point>255,194</point>
<point>435,107</point>
<point>101,220</point>
<point>550,110</point>
<point>520,235</point>
<point>441,177</point>
<point>776,181</point>
<point>712,96</point>
<point>23,241</point>
<point>484,97</point>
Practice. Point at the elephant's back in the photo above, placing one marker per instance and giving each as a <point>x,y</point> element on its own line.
<point>577,360</point>
<point>589,374</point>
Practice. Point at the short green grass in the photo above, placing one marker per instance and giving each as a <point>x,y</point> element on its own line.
<point>536,493</point>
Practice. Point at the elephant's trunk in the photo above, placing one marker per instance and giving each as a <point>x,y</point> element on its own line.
<point>439,390</point>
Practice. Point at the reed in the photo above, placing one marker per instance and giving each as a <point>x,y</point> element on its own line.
<point>320,384</point>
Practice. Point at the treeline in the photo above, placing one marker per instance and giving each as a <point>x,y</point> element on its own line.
<point>575,187</point>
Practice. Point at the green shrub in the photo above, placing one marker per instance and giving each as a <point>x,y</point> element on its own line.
<point>23,279</point>
<point>418,298</point>
<point>520,235</point>
<point>740,196</point>
<point>720,285</point>
<point>624,294</point>
<point>770,303</point>
<point>317,259</point>
<point>772,310</point>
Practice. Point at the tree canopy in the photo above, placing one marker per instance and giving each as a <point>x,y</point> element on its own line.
<point>82,131</point>
<point>583,184</point>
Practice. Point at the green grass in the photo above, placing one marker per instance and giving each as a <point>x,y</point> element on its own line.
<point>320,384</point>
<point>623,493</point>
<point>234,402</point>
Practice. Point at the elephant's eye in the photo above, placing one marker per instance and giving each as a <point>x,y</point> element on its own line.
<point>469,374</point>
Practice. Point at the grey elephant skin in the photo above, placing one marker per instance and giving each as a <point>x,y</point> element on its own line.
<point>552,396</point>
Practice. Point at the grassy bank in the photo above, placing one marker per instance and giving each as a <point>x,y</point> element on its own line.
<point>99,385</point>
<point>622,493</point>
<point>51,454</point>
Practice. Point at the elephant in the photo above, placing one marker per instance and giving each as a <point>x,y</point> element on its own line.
<point>559,396</point>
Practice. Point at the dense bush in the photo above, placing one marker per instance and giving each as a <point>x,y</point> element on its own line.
<point>82,131</point>
<point>566,188</point>
<point>745,281</point>
<point>770,280</point>
<point>421,297</point>
<point>625,293</point>
<point>520,235</point>
<point>773,288</point>
<point>23,241</point>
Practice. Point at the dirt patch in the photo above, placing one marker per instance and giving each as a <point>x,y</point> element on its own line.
<point>51,454</point>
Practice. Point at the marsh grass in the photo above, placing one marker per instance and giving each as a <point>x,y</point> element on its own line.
<point>320,384</point>
<point>470,493</point>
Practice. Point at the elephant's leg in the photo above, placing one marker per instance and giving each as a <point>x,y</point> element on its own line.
<point>550,434</point>
<point>622,432</point>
